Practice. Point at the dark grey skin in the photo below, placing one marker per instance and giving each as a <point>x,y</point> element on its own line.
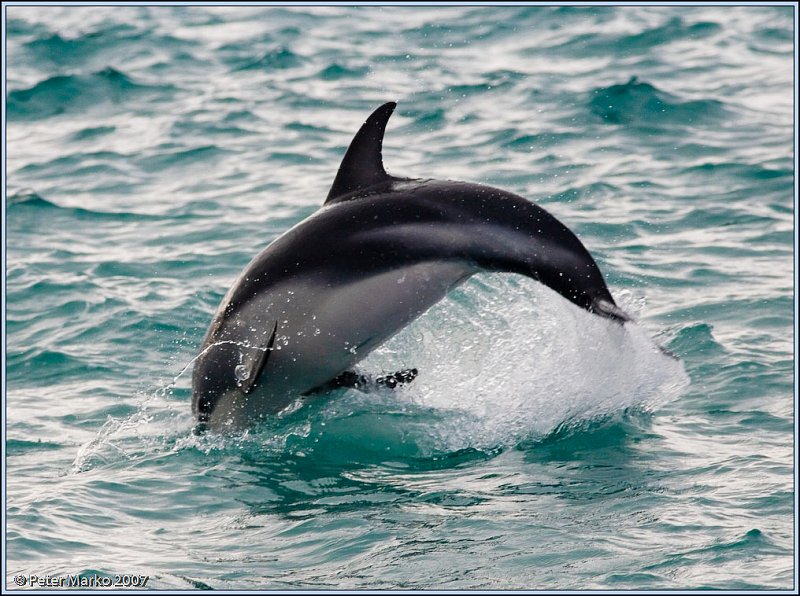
<point>379,253</point>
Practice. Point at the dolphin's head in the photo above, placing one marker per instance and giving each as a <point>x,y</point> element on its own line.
<point>229,370</point>
<point>220,402</point>
<point>213,380</point>
<point>229,388</point>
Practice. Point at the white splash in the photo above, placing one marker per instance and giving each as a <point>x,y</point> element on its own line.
<point>506,359</point>
<point>501,360</point>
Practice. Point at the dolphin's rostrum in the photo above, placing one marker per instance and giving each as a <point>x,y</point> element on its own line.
<point>379,253</point>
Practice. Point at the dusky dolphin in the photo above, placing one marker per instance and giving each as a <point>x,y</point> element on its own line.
<point>379,253</point>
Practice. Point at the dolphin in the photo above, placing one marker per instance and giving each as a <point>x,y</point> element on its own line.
<point>378,254</point>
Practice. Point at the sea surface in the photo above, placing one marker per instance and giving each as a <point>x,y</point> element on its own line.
<point>152,151</point>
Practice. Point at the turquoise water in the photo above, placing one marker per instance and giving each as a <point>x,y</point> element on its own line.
<point>153,151</point>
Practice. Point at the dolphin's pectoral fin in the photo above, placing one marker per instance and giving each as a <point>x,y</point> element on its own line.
<point>352,380</point>
<point>401,377</point>
<point>362,165</point>
<point>254,359</point>
<point>347,380</point>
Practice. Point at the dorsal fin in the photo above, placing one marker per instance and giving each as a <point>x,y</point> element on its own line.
<point>362,165</point>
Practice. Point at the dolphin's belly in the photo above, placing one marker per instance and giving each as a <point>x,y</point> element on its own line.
<point>323,331</point>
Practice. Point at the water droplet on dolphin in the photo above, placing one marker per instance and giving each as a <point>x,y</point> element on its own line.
<point>241,373</point>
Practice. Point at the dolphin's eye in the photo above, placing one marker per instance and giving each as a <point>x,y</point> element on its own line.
<point>204,409</point>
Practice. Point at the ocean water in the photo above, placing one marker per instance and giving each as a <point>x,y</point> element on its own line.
<point>152,151</point>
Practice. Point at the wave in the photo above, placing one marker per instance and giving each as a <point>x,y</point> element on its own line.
<point>336,72</point>
<point>81,163</point>
<point>58,48</point>
<point>39,367</point>
<point>16,447</point>
<point>92,132</point>
<point>642,104</point>
<point>523,142</point>
<point>772,41</point>
<point>675,29</point>
<point>169,156</point>
<point>76,93</point>
<point>30,199</point>
<point>111,40</point>
<point>279,58</point>
<point>697,338</point>
<point>603,44</point>
<point>18,27</point>
<point>740,170</point>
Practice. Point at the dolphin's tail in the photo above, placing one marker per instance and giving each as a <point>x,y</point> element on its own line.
<point>607,309</point>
